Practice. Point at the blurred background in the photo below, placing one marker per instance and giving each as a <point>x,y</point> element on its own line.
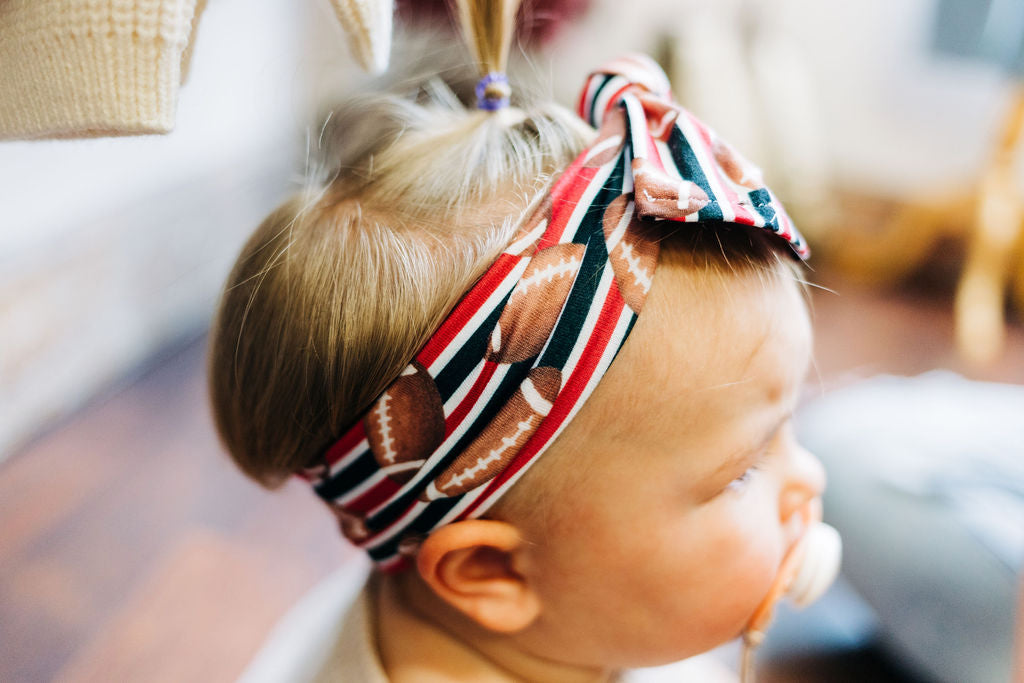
<point>131,549</point>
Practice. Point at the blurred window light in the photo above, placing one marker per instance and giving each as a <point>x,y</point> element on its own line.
<point>989,30</point>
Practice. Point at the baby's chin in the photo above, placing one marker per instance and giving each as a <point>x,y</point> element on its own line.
<point>714,626</point>
<point>666,644</point>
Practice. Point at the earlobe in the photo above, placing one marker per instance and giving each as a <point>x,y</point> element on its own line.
<point>475,566</point>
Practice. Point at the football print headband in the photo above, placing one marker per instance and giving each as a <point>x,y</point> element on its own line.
<point>523,350</point>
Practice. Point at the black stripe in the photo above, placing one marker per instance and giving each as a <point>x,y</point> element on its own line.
<point>503,392</point>
<point>426,520</point>
<point>689,168</point>
<point>577,305</point>
<point>595,116</point>
<point>595,259</point>
<point>454,373</point>
<point>357,472</point>
<point>762,201</point>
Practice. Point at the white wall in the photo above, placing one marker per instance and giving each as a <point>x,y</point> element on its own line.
<point>893,118</point>
<point>112,248</point>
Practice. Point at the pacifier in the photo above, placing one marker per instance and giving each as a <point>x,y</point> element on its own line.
<point>806,572</point>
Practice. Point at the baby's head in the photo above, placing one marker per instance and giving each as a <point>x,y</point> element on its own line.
<point>656,523</point>
<point>656,519</point>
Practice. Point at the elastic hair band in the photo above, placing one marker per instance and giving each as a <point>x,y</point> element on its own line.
<point>493,91</point>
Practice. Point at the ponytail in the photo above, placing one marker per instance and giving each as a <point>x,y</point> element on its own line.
<point>488,26</point>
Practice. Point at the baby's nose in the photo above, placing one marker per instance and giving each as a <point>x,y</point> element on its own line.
<point>805,479</point>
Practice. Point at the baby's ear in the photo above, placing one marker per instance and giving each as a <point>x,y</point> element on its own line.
<point>476,566</point>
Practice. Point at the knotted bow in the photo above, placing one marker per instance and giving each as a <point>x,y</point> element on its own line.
<point>524,349</point>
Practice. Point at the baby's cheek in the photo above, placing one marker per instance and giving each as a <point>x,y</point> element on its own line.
<point>738,570</point>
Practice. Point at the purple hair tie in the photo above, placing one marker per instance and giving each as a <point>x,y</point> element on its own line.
<point>492,92</point>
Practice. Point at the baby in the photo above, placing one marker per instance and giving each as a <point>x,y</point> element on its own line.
<point>471,290</point>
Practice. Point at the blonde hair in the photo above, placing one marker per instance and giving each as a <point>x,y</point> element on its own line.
<point>488,28</point>
<point>417,193</point>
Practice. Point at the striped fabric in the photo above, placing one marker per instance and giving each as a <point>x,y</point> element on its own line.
<point>524,349</point>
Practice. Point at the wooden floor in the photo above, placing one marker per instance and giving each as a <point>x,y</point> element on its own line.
<point>131,550</point>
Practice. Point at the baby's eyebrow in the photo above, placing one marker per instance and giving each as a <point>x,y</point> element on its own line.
<point>750,452</point>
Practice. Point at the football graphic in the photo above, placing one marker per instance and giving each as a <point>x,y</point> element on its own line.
<point>659,195</point>
<point>496,446</point>
<point>352,525</point>
<point>533,228</point>
<point>406,423</point>
<point>661,117</point>
<point>608,144</point>
<point>535,304</point>
<point>633,255</point>
<point>738,169</point>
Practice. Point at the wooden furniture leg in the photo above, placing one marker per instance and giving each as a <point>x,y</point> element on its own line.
<point>979,319</point>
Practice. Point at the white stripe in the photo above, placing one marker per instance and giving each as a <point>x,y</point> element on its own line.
<point>441,451</point>
<point>601,105</point>
<point>667,121</point>
<point>400,467</point>
<point>467,499</point>
<point>620,229</point>
<point>597,183</point>
<point>600,369</point>
<point>463,389</point>
<point>473,324</point>
<point>607,280</point>
<point>587,330</point>
<point>583,203</point>
<point>349,457</point>
<point>601,146</point>
<point>540,405</point>
<point>643,70</point>
<point>496,338</point>
<point>588,98</point>
<point>707,165</point>
<point>635,112</point>
<point>365,486</point>
<point>526,240</point>
<point>670,166</point>
<point>399,525</point>
<point>603,287</point>
<point>627,176</point>
<point>602,365</point>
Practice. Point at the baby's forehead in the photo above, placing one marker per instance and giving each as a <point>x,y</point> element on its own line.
<point>708,343</point>
<point>714,357</point>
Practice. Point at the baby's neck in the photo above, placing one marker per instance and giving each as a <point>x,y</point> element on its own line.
<point>424,640</point>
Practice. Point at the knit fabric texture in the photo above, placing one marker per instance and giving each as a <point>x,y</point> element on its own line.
<point>82,68</point>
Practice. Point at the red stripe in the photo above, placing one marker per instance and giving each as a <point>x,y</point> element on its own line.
<point>565,197</point>
<point>785,224</point>
<point>615,96</point>
<point>346,443</point>
<point>453,420</point>
<point>654,156</point>
<point>567,397</point>
<point>581,105</point>
<point>377,494</point>
<point>742,215</point>
<point>395,565</point>
<point>466,308</point>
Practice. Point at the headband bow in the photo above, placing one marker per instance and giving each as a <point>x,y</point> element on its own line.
<point>524,349</point>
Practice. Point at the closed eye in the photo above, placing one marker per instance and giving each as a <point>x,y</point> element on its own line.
<point>760,455</point>
<point>740,482</point>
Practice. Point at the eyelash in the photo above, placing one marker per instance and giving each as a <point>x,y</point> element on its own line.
<point>739,482</point>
